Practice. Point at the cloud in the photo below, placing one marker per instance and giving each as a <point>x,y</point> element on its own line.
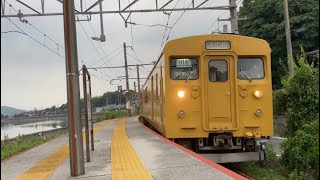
<point>32,76</point>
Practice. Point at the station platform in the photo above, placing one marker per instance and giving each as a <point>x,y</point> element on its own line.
<point>124,149</point>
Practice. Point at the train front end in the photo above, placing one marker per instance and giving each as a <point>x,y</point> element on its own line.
<point>221,100</point>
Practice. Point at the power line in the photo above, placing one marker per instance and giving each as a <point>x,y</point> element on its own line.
<point>91,42</point>
<point>220,16</point>
<point>88,37</point>
<point>147,25</point>
<point>169,15</point>
<point>107,55</point>
<point>34,38</point>
<point>96,36</point>
<point>36,29</point>
<point>101,49</point>
<point>28,22</point>
<point>177,22</point>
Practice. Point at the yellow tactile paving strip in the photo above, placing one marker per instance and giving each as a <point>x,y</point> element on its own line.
<point>46,167</point>
<point>125,162</point>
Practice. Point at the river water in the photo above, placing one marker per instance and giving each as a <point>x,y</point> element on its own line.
<point>13,131</point>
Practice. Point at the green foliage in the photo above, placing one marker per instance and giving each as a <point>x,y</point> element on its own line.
<point>299,100</point>
<point>279,100</point>
<point>301,152</point>
<point>111,115</point>
<point>254,170</point>
<point>10,148</point>
<point>301,95</point>
<point>265,20</point>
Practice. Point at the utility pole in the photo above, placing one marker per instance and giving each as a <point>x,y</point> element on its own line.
<point>127,80</point>
<point>85,99</point>
<point>73,90</point>
<point>288,36</point>
<point>233,16</point>
<point>139,96</point>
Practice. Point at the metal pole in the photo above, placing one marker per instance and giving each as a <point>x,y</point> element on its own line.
<point>127,80</point>
<point>91,118</point>
<point>233,16</point>
<point>102,36</point>
<point>80,6</point>
<point>288,36</point>
<point>73,90</point>
<point>85,98</point>
<point>119,100</point>
<point>139,95</point>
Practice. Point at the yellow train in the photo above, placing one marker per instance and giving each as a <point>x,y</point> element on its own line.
<point>213,94</point>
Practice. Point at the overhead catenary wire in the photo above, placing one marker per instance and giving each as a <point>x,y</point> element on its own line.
<point>44,34</point>
<point>35,39</point>
<point>88,37</point>
<point>209,29</point>
<point>132,41</point>
<point>105,62</point>
<point>107,55</point>
<point>169,15</point>
<point>28,22</point>
<point>92,43</point>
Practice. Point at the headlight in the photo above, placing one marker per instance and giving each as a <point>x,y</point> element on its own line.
<point>181,94</point>
<point>258,93</point>
<point>181,113</point>
<point>258,112</point>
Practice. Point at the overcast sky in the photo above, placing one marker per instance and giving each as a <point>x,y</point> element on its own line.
<point>34,77</point>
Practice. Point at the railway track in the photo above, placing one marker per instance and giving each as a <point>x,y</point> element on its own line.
<point>244,175</point>
<point>236,170</point>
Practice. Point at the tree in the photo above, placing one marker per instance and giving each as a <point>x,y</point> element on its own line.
<point>265,20</point>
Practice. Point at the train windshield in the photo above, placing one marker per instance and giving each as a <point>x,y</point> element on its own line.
<point>250,68</point>
<point>184,69</point>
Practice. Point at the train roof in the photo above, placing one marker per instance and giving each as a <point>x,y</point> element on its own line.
<point>235,40</point>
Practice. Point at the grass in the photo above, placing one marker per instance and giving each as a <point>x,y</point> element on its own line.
<point>111,115</point>
<point>10,148</point>
<point>273,170</point>
<point>253,169</point>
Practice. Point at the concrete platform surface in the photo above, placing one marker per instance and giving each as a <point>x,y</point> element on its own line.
<point>123,149</point>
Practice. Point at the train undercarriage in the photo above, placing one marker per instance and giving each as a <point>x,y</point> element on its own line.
<point>224,148</point>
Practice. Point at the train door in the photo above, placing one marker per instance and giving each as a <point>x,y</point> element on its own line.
<point>218,80</point>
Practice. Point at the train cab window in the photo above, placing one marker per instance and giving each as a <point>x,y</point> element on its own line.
<point>250,68</point>
<point>184,68</point>
<point>218,70</point>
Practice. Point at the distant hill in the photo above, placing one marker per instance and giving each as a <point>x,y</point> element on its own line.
<point>6,110</point>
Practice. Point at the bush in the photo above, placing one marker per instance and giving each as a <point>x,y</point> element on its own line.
<point>299,100</point>
<point>301,152</point>
<point>279,100</point>
<point>110,115</point>
<point>300,96</point>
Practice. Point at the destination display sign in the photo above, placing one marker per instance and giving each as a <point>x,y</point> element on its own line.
<point>218,44</point>
<point>183,63</point>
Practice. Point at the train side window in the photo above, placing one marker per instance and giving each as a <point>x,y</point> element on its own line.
<point>157,97</point>
<point>218,70</point>
<point>145,95</point>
